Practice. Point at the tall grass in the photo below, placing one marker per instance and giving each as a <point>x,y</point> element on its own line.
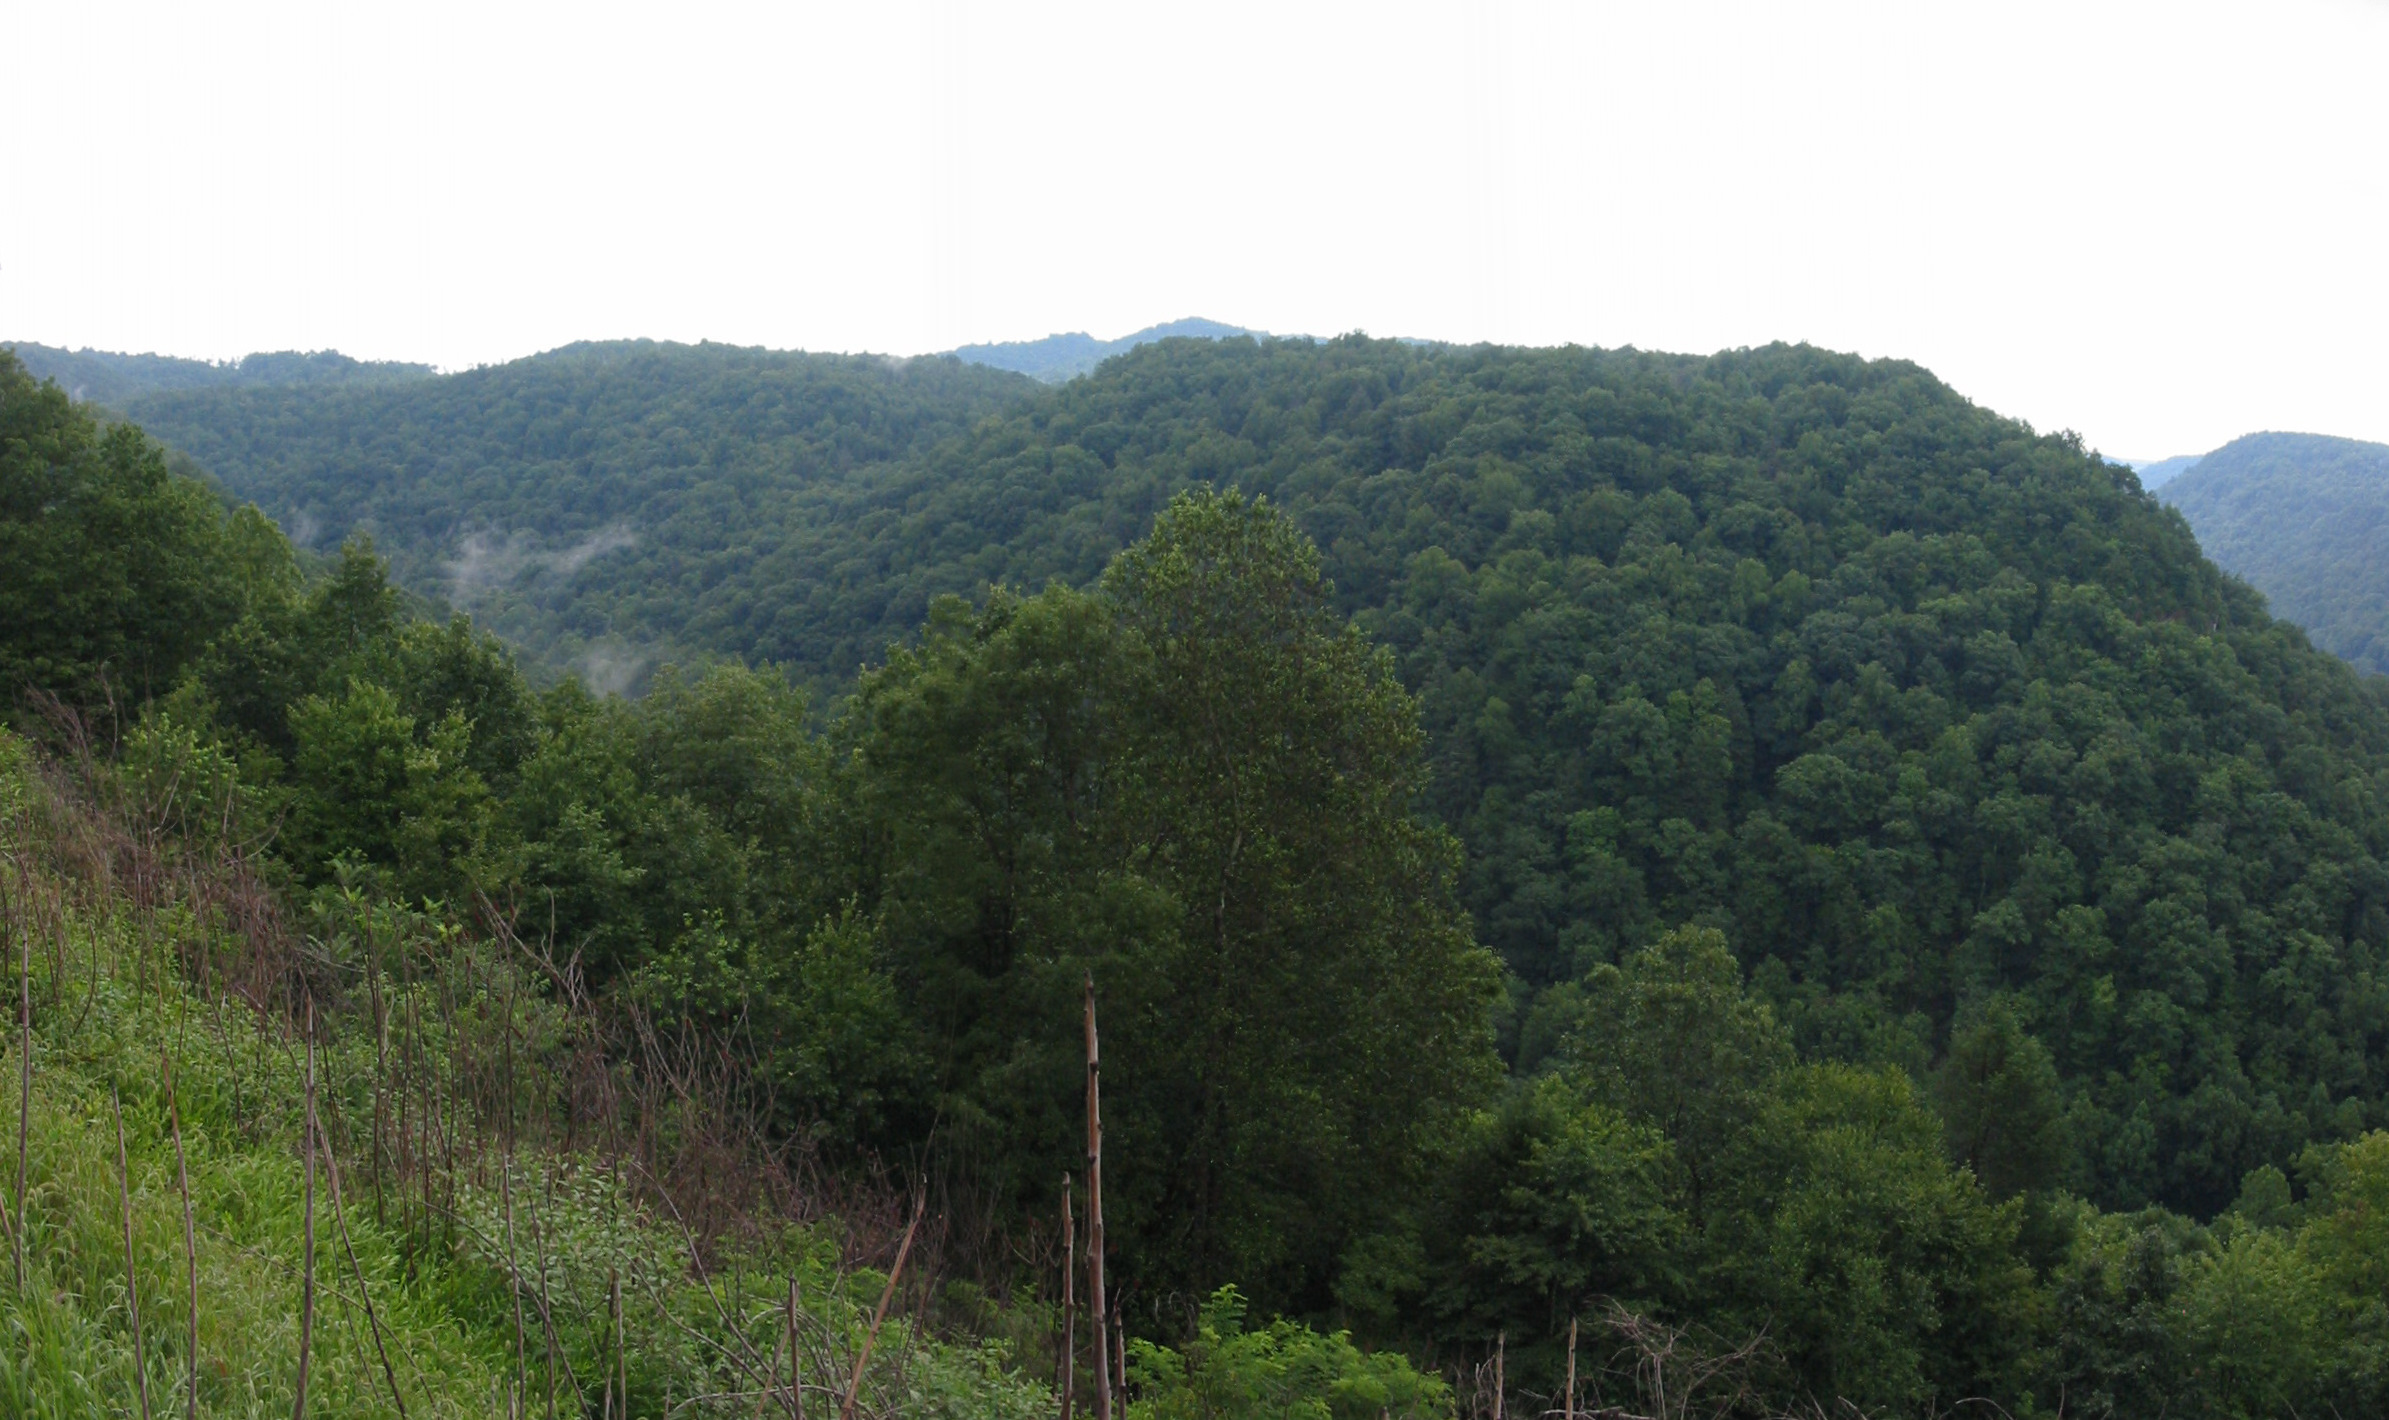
<point>460,1070</point>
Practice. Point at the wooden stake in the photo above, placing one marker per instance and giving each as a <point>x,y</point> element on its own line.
<point>879,1314</point>
<point>381,1060</point>
<point>1066,1366</point>
<point>24,1086</point>
<point>1501,1345</point>
<point>1571,1415</point>
<point>614,1328</point>
<point>796,1358</point>
<point>1095,1312</point>
<point>514,1272</point>
<point>132,1279</point>
<point>357,1270</point>
<point>298,1405</point>
<point>190,1247</point>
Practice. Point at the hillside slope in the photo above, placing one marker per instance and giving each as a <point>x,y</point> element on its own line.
<point>2019,856</point>
<point>2304,518</point>
<point>2157,474</point>
<point>1918,706</point>
<point>1921,708</point>
<point>579,497</point>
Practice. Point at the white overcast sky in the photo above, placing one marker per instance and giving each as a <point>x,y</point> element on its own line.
<point>2162,225</point>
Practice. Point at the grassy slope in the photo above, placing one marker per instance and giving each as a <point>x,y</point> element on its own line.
<point>113,1002</point>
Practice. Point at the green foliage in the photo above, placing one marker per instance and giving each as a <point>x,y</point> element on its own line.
<point>105,378</point>
<point>1901,844</point>
<point>1283,1371</point>
<point>576,500</point>
<point>118,572</point>
<point>1682,1163</point>
<point>112,1009</point>
<point>2002,1103</point>
<point>2305,519</point>
<point>1917,706</point>
<point>1199,785</point>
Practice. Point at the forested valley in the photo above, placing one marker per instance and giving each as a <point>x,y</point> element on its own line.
<point>1742,885</point>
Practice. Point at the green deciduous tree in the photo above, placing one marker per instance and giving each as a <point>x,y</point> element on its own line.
<point>1201,785</point>
<point>118,572</point>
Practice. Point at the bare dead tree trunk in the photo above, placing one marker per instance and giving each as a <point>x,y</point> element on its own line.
<point>1120,1348</point>
<point>1095,1313</point>
<point>132,1278</point>
<point>1501,1348</point>
<point>1066,1365</point>
<point>854,1386</point>
<point>1571,1402</point>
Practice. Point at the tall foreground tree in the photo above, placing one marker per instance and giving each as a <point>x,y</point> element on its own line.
<point>1201,784</point>
<point>116,572</point>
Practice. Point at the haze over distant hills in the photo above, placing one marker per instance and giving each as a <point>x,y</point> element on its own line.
<point>1058,357</point>
<point>2304,519</point>
<point>108,378</point>
<point>2156,473</point>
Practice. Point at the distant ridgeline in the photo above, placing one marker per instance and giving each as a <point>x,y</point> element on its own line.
<point>1060,357</point>
<point>2304,518</point>
<point>109,379</point>
<point>1921,709</point>
<point>568,498</point>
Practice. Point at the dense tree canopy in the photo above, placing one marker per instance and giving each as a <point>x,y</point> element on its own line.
<point>117,572</point>
<point>1916,706</point>
<point>582,498</point>
<point>1936,917</point>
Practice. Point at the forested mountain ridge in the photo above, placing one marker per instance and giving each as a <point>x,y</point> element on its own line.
<point>2304,518</point>
<point>580,495</point>
<point>108,378</point>
<point>1920,707</point>
<point>1924,836</point>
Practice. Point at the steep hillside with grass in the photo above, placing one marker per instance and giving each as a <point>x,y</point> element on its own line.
<point>439,1241</point>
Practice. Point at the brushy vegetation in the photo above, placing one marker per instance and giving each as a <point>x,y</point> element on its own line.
<point>444,1195</point>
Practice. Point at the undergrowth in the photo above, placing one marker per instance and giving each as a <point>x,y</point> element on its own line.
<point>517,1220</point>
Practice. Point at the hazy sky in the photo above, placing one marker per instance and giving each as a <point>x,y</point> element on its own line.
<point>2160,224</point>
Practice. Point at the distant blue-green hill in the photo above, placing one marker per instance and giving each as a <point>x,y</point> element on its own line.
<point>1059,357</point>
<point>2304,519</point>
<point>105,377</point>
<point>2159,472</point>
